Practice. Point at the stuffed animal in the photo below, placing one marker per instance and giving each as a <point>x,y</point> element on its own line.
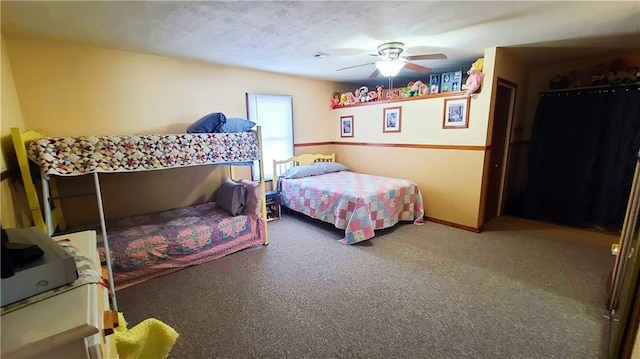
<point>364,94</point>
<point>373,96</point>
<point>335,101</point>
<point>350,99</point>
<point>379,91</point>
<point>475,77</point>
<point>419,88</point>
<point>356,95</point>
<point>343,99</point>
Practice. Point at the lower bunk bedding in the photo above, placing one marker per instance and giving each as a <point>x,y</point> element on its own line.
<point>146,246</point>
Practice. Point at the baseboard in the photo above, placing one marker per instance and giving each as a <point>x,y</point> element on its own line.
<point>452,224</point>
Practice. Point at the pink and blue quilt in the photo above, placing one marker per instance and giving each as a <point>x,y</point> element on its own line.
<point>358,203</point>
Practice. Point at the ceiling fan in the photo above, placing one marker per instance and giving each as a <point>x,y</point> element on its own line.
<point>392,61</point>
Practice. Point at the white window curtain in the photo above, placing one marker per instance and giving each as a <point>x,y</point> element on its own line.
<point>274,113</point>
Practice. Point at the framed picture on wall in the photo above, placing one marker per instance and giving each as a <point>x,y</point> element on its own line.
<point>392,119</point>
<point>346,126</point>
<point>456,112</point>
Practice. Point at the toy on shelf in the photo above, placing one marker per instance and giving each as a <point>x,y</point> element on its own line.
<point>350,99</point>
<point>379,91</point>
<point>335,101</point>
<point>475,77</point>
<point>364,94</point>
<point>373,96</point>
<point>406,91</point>
<point>419,88</point>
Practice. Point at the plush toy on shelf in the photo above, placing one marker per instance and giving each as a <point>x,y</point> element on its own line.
<point>364,94</point>
<point>373,96</point>
<point>379,91</point>
<point>419,88</point>
<point>343,99</point>
<point>475,77</point>
<point>335,101</point>
<point>350,99</point>
<point>406,91</point>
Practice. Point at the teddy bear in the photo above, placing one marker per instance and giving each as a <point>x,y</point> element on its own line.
<point>379,91</point>
<point>419,88</point>
<point>373,96</point>
<point>475,77</point>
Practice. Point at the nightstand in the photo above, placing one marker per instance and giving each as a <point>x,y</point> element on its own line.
<point>273,205</point>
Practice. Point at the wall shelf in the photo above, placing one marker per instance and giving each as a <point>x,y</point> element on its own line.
<point>403,99</point>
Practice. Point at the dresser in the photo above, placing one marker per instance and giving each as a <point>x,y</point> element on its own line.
<point>67,325</point>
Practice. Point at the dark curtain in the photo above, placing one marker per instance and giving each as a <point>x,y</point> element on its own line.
<point>583,151</point>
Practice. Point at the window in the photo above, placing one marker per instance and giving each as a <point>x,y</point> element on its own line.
<point>274,113</point>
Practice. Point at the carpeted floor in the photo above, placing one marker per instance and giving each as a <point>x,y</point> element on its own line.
<point>520,289</point>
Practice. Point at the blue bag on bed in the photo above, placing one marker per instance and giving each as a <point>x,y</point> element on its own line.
<point>208,123</point>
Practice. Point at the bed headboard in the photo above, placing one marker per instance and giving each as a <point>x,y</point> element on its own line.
<point>279,167</point>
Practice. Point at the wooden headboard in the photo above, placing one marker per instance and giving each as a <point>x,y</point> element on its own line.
<point>279,167</point>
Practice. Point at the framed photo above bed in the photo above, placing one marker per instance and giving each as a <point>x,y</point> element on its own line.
<point>456,112</point>
<point>346,126</point>
<point>392,119</point>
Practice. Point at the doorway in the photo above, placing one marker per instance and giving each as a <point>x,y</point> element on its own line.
<point>504,105</point>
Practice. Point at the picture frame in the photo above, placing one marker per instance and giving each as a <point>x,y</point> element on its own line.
<point>346,126</point>
<point>456,112</point>
<point>392,119</point>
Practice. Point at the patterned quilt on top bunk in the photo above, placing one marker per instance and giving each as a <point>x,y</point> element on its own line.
<point>146,246</point>
<point>72,156</point>
<point>355,202</point>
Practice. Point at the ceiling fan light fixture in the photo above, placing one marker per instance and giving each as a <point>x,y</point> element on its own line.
<point>389,68</point>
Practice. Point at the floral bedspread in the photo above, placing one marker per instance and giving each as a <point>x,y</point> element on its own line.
<point>72,156</point>
<point>355,202</point>
<point>145,246</point>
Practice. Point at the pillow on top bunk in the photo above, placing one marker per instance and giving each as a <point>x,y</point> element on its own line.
<point>303,171</point>
<point>329,167</point>
<point>208,123</point>
<point>253,205</point>
<point>235,125</point>
<point>231,196</point>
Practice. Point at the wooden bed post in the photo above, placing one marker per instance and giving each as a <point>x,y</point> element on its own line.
<point>112,289</point>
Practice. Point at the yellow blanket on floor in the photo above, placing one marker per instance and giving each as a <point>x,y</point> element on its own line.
<point>151,339</point>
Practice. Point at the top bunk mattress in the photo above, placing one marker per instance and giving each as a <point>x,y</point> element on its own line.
<point>73,156</point>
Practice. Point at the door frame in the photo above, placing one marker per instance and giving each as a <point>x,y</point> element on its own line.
<point>513,87</point>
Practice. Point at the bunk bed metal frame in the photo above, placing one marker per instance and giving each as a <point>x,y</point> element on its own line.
<point>49,213</point>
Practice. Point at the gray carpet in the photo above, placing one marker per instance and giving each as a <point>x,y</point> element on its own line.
<point>520,289</point>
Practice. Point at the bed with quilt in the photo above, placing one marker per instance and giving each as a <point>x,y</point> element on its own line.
<point>359,203</point>
<point>146,246</point>
<point>141,247</point>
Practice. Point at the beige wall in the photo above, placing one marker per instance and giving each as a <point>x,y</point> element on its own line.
<point>70,89</point>
<point>10,215</point>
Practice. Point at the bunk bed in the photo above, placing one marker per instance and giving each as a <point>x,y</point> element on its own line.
<point>316,185</point>
<point>141,247</point>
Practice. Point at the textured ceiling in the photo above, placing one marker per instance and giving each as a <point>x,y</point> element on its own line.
<point>284,36</point>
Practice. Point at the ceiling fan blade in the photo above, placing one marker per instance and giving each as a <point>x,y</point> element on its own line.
<point>417,68</point>
<point>350,67</point>
<point>374,74</point>
<point>427,57</point>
